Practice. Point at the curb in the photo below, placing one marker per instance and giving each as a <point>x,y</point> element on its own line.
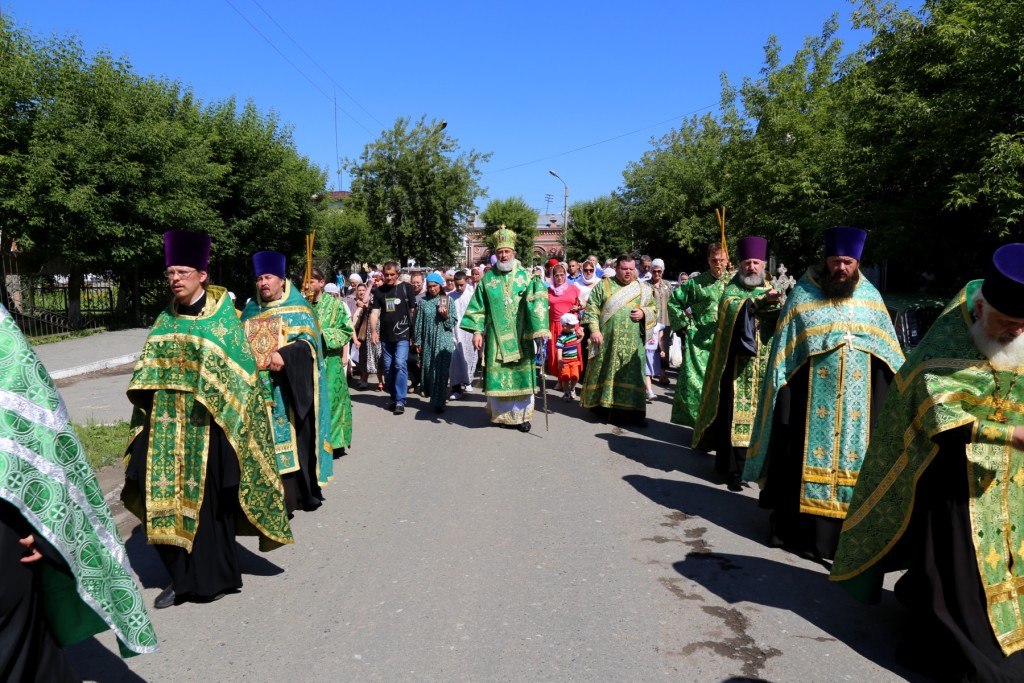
<point>95,366</point>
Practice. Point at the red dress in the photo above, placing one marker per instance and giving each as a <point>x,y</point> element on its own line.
<point>557,307</point>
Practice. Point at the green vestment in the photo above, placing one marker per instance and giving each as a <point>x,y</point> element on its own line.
<point>336,328</point>
<point>747,371</point>
<point>701,295</point>
<point>299,326</point>
<point>615,369</point>
<point>946,384</point>
<point>838,338</point>
<point>511,310</point>
<point>44,474</point>
<point>433,334</point>
<point>194,370</point>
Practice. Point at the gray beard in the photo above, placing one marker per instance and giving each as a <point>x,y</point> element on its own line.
<point>504,266</point>
<point>1004,356</point>
<point>752,280</point>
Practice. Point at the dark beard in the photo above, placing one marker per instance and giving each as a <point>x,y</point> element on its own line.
<point>835,289</point>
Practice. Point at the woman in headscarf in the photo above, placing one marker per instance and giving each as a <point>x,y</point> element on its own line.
<point>434,341</point>
<point>563,297</point>
<point>369,353</point>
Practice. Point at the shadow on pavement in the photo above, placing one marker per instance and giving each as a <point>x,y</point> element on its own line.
<point>735,512</point>
<point>93,662</point>
<point>872,631</point>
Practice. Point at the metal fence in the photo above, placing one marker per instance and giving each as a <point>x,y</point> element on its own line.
<point>39,302</point>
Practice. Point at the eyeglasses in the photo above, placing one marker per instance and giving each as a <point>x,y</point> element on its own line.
<point>178,273</point>
<point>588,270</point>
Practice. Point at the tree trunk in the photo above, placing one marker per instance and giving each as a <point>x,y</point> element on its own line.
<point>75,280</point>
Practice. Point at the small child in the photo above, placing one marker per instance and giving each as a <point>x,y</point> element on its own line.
<point>567,346</point>
<point>654,358</point>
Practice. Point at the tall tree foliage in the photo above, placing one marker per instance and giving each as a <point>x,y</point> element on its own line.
<point>598,227</point>
<point>518,216</point>
<point>97,162</point>
<point>416,187</point>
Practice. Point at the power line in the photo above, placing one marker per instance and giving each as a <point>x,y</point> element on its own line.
<point>294,66</point>
<point>317,65</point>
<point>601,142</point>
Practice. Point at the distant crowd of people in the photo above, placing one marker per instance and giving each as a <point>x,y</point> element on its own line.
<point>869,461</point>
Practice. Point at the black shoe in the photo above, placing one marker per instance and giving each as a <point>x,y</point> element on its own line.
<point>438,409</point>
<point>338,452</point>
<point>165,599</point>
<point>390,405</point>
<point>735,485</point>
<point>524,427</point>
<point>399,409</point>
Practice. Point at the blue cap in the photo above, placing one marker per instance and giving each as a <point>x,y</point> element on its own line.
<point>845,241</point>
<point>1004,283</point>
<point>436,278</point>
<point>269,263</point>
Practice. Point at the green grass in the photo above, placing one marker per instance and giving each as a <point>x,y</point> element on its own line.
<point>103,444</point>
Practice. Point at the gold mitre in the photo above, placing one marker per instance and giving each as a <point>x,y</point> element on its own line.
<point>504,239</point>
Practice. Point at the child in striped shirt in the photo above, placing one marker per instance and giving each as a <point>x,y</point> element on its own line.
<point>567,346</point>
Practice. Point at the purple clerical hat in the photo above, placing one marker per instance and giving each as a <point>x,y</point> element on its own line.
<point>752,247</point>
<point>268,263</point>
<point>189,249</point>
<point>1004,283</point>
<point>845,241</point>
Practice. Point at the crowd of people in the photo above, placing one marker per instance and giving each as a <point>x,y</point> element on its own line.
<point>869,461</point>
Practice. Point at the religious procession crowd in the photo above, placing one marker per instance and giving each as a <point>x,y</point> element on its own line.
<point>869,462</point>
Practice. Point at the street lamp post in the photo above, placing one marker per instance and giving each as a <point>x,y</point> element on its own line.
<point>565,218</point>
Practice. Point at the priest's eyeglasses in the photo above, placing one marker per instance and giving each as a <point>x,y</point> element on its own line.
<point>178,273</point>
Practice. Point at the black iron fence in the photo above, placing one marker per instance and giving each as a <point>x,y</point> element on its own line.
<point>42,304</point>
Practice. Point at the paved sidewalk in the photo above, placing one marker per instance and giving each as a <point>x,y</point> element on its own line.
<point>100,351</point>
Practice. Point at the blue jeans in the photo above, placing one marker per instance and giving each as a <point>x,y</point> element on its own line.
<point>395,358</point>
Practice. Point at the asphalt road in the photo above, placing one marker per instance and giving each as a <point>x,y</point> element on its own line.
<point>451,550</point>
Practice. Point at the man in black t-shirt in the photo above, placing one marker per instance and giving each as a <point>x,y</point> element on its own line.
<point>394,304</point>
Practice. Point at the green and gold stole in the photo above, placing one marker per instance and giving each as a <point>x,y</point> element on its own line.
<point>748,371</point>
<point>946,384</point>
<point>299,325</point>
<point>44,474</point>
<point>200,369</point>
<point>838,338</point>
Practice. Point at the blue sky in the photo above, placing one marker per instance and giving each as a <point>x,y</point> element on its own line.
<point>578,87</point>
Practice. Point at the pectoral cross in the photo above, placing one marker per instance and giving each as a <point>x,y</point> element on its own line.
<point>998,416</point>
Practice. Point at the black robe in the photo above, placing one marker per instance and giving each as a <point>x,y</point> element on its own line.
<point>301,487</point>
<point>28,650</point>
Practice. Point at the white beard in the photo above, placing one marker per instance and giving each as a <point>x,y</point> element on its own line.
<point>752,280</point>
<point>1004,356</point>
<point>504,266</point>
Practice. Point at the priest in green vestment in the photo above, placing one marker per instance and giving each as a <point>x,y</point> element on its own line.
<point>65,573</point>
<point>747,315</point>
<point>834,355</point>
<point>200,464</point>
<point>285,335</point>
<point>511,307</point>
<point>336,330</point>
<point>693,314</point>
<point>941,490</point>
<point>621,314</point>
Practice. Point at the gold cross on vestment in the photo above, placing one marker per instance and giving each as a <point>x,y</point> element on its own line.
<point>819,452</point>
<point>856,415</point>
<point>857,375</point>
<point>992,559</point>
<point>822,412</point>
<point>1018,478</point>
<point>823,373</point>
<point>163,483</point>
<point>165,419</point>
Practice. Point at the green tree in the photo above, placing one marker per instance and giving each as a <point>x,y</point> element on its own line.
<point>518,216</point>
<point>344,238</point>
<point>417,188</point>
<point>599,227</point>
